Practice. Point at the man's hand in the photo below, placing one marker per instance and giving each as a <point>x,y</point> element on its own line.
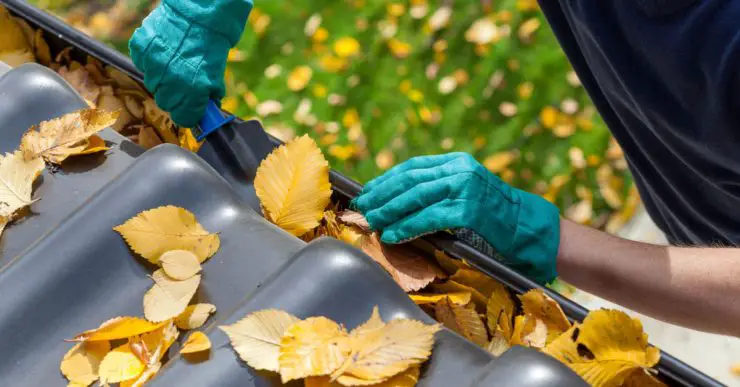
<point>182,48</point>
<point>454,191</point>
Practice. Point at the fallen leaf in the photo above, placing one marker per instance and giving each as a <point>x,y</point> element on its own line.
<point>256,337</point>
<point>160,121</point>
<point>410,270</point>
<point>500,310</point>
<point>15,48</point>
<point>538,304</point>
<point>606,349</point>
<point>158,342</point>
<point>477,280</point>
<point>194,316</point>
<point>3,224</point>
<point>42,51</point>
<point>463,320</point>
<point>499,344</point>
<point>118,328</point>
<point>16,182</point>
<point>641,378</point>
<point>293,186</point>
<point>188,141</point>
<point>81,81</point>
<point>180,264</point>
<point>154,232</point>
<point>168,297</point>
<point>196,342</point>
<point>350,236</point>
<point>380,351</point>
<point>529,332</point>
<point>407,378</point>
<point>313,347</point>
<point>80,364</point>
<point>356,219</point>
<point>148,138</point>
<point>57,139</point>
<point>144,377</point>
<point>109,101</point>
<point>453,287</point>
<point>95,144</point>
<point>120,364</point>
<point>458,298</point>
<point>448,264</point>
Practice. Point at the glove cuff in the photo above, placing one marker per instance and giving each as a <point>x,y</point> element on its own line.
<point>226,17</point>
<point>537,237</point>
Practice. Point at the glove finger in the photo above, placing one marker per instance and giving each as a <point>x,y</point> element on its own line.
<point>440,216</point>
<point>405,181</point>
<point>417,198</point>
<point>421,162</point>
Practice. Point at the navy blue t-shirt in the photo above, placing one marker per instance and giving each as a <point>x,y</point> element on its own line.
<point>664,76</point>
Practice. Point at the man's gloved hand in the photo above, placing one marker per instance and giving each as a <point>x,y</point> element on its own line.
<point>454,191</point>
<point>182,48</point>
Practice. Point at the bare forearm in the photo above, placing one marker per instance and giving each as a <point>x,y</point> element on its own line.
<point>695,287</point>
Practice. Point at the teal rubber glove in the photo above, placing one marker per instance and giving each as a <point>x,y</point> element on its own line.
<point>182,48</point>
<point>455,192</point>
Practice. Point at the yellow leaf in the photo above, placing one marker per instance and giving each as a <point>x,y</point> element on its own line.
<point>80,364</point>
<point>313,347</point>
<point>408,378</point>
<point>410,270</point>
<point>3,224</point>
<point>606,349</point>
<point>346,47</point>
<point>256,337</point>
<point>453,287</point>
<point>120,364</point>
<point>299,78</point>
<point>538,304</point>
<point>82,82</point>
<point>500,310</point>
<point>529,332</point>
<point>463,320</point>
<point>293,186</point>
<point>499,344</point>
<point>168,297</point>
<point>180,264</point>
<point>477,280</point>
<point>16,182</point>
<point>458,298</point>
<point>380,351</point>
<point>155,344</point>
<point>143,377</point>
<point>15,48</point>
<point>62,137</point>
<point>349,235</point>
<point>194,316</point>
<point>160,121</point>
<point>95,144</point>
<point>448,264</point>
<point>148,138</point>
<point>118,328</point>
<point>196,342</point>
<point>642,378</point>
<point>154,232</point>
<point>188,141</point>
<point>43,53</point>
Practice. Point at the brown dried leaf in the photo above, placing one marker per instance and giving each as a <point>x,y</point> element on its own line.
<point>356,219</point>
<point>410,270</point>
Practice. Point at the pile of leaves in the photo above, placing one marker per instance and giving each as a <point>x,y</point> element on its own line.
<point>49,142</point>
<point>608,349</point>
<point>104,87</point>
<point>323,353</point>
<point>129,350</point>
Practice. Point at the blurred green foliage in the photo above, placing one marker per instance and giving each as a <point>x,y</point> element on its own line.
<point>376,82</point>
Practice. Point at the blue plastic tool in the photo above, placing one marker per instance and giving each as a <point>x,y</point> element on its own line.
<point>212,121</point>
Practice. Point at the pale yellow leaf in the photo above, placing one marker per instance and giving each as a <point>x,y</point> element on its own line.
<point>313,347</point>
<point>196,342</point>
<point>82,82</point>
<point>385,350</point>
<point>154,232</point>
<point>143,377</point>
<point>80,364</point>
<point>477,280</point>
<point>538,304</point>
<point>15,48</point>
<point>373,323</point>
<point>194,316</point>
<point>56,140</point>
<point>118,328</point>
<point>95,144</point>
<point>256,337</point>
<point>453,287</point>
<point>16,182</point>
<point>499,344</point>
<point>499,309</point>
<point>606,349</point>
<point>160,121</point>
<point>120,364</point>
<point>293,186</point>
<point>459,298</point>
<point>407,378</point>
<point>410,270</point>
<point>180,264</point>
<point>168,297</point>
<point>463,320</point>
<point>529,332</point>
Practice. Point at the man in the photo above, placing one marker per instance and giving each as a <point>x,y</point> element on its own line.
<point>662,74</point>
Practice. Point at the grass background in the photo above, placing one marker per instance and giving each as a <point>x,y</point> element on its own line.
<point>377,82</point>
